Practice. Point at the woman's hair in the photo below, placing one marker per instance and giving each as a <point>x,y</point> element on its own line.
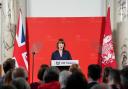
<point>101,86</point>
<point>60,41</point>
<point>8,77</point>
<point>52,74</point>
<point>106,74</point>
<point>20,83</point>
<point>124,77</point>
<point>76,81</point>
<point>41,71</point>
<point>7,86</point>
<point>94,71</point>
<point>9,64</point>
<point>19,72</point>
<point>63,77</point>
<point>115,76</point>
<point>74,68</point>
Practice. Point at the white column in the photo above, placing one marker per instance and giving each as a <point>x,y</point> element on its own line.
<point>0,30</point>
<point>9,19</point>
<point>122,10</point>
<point>123,44</point>
<point>122,31</point>
<point>5,28</point>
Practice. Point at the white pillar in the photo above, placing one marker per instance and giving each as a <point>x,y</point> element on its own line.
<point>122,10</point>
<point>122,31</point>
<point>0,30</point>
<point>123,44</point>
<point>8,27</point>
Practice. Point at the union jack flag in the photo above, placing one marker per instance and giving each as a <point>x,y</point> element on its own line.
<point>20,50</point>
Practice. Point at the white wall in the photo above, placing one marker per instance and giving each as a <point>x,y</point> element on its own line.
<point>0,30</point>
<point>66,8</point>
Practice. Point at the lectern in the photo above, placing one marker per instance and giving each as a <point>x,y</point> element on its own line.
<point>63,64</point>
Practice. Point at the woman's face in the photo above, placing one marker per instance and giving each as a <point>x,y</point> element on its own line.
<point>60,46</point>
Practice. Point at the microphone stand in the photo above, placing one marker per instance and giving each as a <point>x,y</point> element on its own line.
<point>33,57</point>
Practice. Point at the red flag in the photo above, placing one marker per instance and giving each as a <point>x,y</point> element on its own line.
<point>107,57</point>
<point>20,50</point>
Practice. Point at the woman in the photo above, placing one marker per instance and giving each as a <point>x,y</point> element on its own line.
<point>61,53</point>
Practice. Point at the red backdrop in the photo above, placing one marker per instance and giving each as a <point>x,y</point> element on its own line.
<point>81,34</point>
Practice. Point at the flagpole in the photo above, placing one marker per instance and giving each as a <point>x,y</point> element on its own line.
<point>107,2</point>
<point>33,57</point>
<point>102,32</point>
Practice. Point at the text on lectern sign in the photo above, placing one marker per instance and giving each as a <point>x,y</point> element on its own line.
<point>63,62</point>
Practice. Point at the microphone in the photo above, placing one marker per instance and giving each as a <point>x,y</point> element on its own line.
<point>33,53</point>
<point>34,50</point>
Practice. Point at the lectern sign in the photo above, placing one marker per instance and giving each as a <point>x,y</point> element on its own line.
<point>63,62</point>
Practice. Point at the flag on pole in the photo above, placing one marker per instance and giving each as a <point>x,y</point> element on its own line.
<point>107,56</point>
<point>20,50</point>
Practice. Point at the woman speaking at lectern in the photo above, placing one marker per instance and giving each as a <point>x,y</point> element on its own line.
<point>61,53</point>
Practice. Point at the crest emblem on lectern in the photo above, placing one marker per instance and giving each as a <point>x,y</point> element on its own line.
<point>57,63</point>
